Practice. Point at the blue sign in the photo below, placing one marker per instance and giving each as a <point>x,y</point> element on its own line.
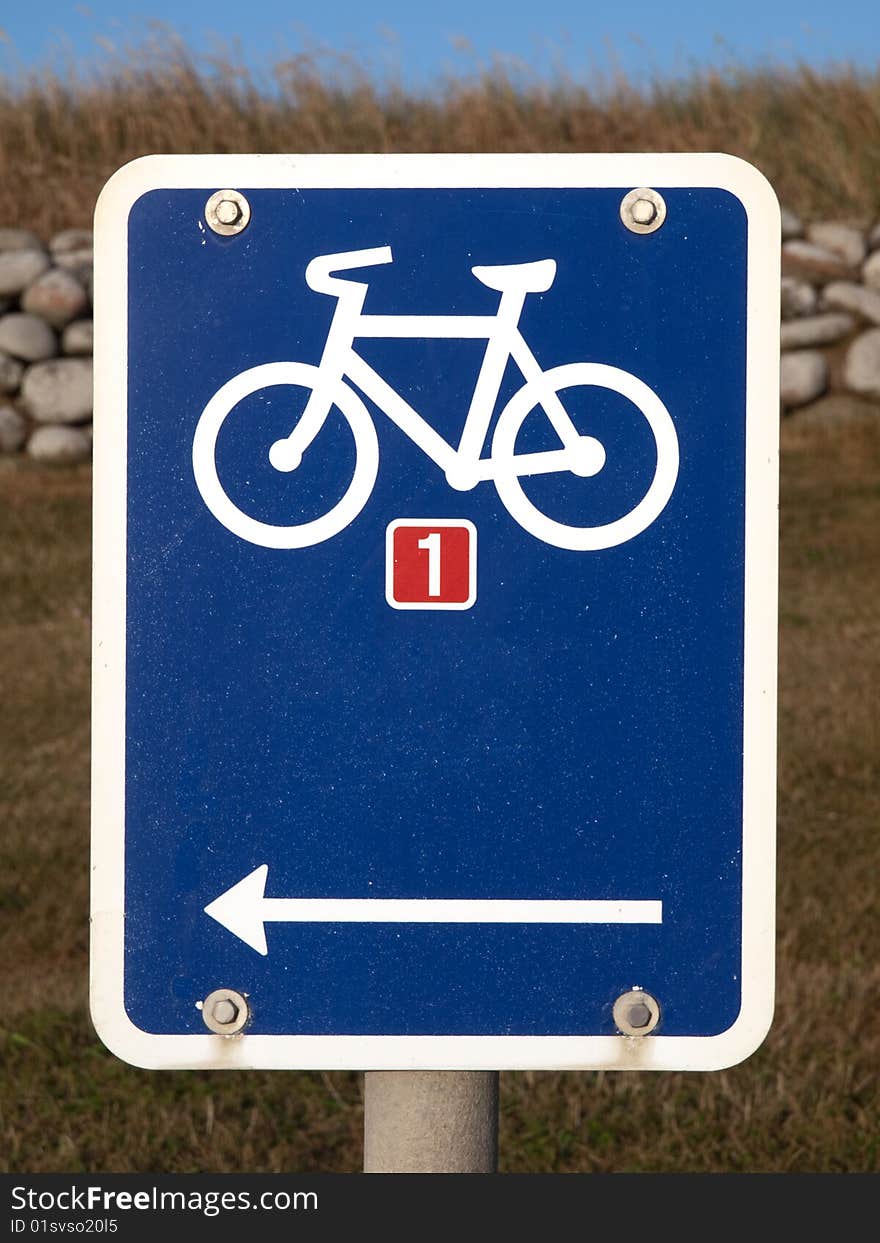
<point>435,591</point>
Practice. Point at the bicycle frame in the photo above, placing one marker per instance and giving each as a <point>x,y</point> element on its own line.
<point>463,465</point>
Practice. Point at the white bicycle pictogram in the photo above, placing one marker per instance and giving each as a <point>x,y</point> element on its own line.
<point>464,466</point>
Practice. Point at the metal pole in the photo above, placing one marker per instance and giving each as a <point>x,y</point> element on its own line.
<point>430,1122</point>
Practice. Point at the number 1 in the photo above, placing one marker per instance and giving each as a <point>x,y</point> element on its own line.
<point>432,544</point>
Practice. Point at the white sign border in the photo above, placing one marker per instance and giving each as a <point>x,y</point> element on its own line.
<point>466,1052</point>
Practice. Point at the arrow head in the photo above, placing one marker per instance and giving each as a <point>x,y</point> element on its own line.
<point>240,909</point>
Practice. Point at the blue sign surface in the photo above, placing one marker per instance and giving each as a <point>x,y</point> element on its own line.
<point>472,637</point>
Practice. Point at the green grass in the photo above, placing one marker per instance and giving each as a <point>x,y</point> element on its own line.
<point>806,1101</point>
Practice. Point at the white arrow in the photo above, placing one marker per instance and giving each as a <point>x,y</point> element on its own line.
<point>244,910</point>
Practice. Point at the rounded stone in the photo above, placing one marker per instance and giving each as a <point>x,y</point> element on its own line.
<point>11,371</point>
<point>809,252</point>
<point>27,337</point>
<point>843,240</point>
<point>816,263</point>
<point>59,446</point>
<point>13,430</point>
<point>56,296</point>
<point>817,330</point>
<point>848,296</point>
<point>71,239</point>
<point>861,369</point>
<point>19,239</point>
<point>59,391</point>
<point>803,377</point>
<point>79,262</point>
<point>871,271</point>
<point>798,297</point>
<point>19,268</point>
<point>78,337</point>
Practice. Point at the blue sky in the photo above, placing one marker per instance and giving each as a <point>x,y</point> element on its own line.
<point>422,42</point>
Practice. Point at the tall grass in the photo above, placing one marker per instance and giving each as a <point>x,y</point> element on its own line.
<point>816,135</point>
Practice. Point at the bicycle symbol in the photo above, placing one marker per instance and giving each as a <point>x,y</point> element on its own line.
<point>464,466</point>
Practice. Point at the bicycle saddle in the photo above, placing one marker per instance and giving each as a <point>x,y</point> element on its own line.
<point>530,277</point>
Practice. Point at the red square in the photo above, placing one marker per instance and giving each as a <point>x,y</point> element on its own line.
<point>431,563</point>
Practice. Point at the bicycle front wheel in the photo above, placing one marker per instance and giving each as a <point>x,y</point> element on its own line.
<point>255,530</point>
<point>567,535</point>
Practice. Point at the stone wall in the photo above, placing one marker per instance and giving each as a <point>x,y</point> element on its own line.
<point>830,310</point>
<point>46,345</point>
<point>830,301</point>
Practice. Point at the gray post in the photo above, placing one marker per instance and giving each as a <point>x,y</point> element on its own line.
<point>430,1122</point>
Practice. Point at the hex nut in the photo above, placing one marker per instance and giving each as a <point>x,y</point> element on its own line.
<point>227,212</point>
<point>225,1011</point>
<point>636,1013</point>
<point>643,210</point>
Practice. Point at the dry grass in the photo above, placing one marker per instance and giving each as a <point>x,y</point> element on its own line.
<point>806,1101</point>
<point>816,135</point>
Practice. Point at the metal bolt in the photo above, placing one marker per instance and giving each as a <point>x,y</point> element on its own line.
<point>642,210</point>
<point>227,212</point>
<point>636,1013</point>
<point>225,1011</point>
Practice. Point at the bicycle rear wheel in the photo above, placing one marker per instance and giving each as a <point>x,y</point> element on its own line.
<point>566,535</point>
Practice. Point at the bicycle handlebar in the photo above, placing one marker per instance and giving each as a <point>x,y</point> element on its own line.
<point>319,271</point>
